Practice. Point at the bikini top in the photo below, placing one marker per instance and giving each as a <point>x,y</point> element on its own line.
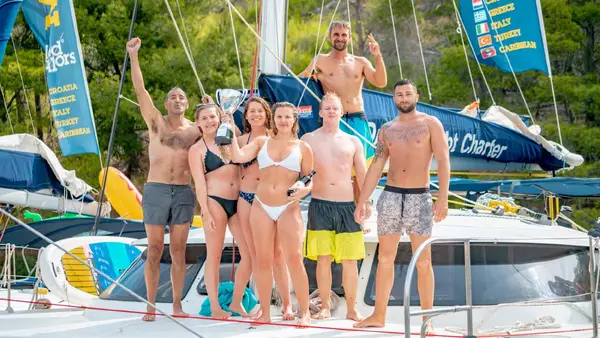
<point>212,161</point>
<point>247,164</point>
<point>292,162</point>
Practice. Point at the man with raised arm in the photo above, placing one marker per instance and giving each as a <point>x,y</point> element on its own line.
<point>344,74</point>
<point>409,141</point>
<point>332,232</point>
<point>168,198</point>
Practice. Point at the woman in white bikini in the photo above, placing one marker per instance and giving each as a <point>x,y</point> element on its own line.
<point>282,160</point>
<point>216,178</point>
<point>257,122</point>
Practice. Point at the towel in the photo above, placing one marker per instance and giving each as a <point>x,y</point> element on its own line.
<point>225,293</point>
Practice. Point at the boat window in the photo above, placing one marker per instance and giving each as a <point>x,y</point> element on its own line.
<point>225,268</point>
<point>133,277</point>
<point>336,275</point>
<point>501,273</point>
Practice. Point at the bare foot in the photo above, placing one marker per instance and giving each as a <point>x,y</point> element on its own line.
<point>429,330</point>
<point>180,313</point>
<point>263,319</point>
<point>304,320</point>
<point>322,314</point>
<point>353,315</point>
<point>219,313</point>
<point>288,312</point>
<point>372,321</point>
<point>150,316</point>
<point>239,308</point>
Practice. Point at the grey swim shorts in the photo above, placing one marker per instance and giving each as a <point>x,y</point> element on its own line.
<point>401,210</point>
<point>168,204</point>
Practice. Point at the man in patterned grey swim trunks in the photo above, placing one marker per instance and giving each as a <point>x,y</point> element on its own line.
<point>409,141</point>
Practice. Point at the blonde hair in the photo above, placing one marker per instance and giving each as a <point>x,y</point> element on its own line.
<point>340,23</point>
<point>221,114</point>
<point>330,96</point>
<point>268,113</point>
<point>296,125</point>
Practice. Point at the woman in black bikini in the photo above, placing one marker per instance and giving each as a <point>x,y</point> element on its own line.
<point>257,122</point>
<point>217,184</point>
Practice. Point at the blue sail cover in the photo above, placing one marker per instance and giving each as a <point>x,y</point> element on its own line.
<point>8,13</point>
<point>468,138</point>
<point>29,172</point>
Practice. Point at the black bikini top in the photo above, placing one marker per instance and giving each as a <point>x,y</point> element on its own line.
<point>212,161</point>
<point>247,164</point>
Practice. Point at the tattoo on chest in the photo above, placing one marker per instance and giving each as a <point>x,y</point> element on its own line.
<point>406,134</point>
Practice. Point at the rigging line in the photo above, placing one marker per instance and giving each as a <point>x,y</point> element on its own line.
<point>421,49</point>
<point>395,38</point>
<point>131,101</point>
<point>556,110</point>
<point>187,53</point>
<point>237,50</point>
<point>350,22</point>
<point>49,241</point>
<point>460,31</point>
<point>357,134</point>
<point>276,28</point>
<point>317,52</point>
<point>184,30</point>
<point>474,55</point>
<point>509,63</point>
<point>254,70</point>
<point>23,85</point>
<point>6,108</point>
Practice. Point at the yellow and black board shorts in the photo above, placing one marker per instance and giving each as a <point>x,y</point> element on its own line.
<point>332,231</point>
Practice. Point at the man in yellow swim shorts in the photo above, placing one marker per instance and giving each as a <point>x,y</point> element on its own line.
<point>333,234</point>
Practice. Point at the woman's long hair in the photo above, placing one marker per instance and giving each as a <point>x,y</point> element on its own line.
<point>296,125</point>
<point>221,114</point>
<point>268,113</point>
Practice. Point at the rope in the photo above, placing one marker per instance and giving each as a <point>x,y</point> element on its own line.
<point>474,55</point>
<point>460,31</point>
<point>255,61</point>
<point>23,85</point>
<point>131,101</point>
<point>187,53</point>
<point>317,48</point>
<point>556,111</point>
<point>349,22</point>
<point>5,226</point>
<point>237,50</point>
<point>184,30</point>
<point>395,38</point>
<point>101,273</point>
<point>509,64</point>
<point>421,49</point>
<point>6,108</point>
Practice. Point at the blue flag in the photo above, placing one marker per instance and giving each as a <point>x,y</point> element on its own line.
<point>54,26</point>
<point>8,14</point>
<point>497,29</point>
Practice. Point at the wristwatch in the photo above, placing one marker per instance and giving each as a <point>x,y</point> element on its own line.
<point>370,201</point>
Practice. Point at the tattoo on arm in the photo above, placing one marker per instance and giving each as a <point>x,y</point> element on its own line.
<point>381,149</point>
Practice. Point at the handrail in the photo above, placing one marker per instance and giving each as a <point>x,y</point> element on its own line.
<point>408,284</point>
<point>468,287</point>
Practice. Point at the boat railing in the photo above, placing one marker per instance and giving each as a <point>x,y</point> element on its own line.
<point>594,240</point>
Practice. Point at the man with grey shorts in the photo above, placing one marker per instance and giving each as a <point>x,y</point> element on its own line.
<point>168,196</point>
<point>409,141</point>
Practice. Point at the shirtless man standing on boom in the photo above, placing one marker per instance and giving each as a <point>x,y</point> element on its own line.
<point>344,74</point>
<point>405,205</point>
<point>168,196</point>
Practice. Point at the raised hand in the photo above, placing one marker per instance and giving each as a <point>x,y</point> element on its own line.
<point>134,45</point>
<point>373,46</point>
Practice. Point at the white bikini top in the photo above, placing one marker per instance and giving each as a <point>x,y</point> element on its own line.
<point>292,162</point>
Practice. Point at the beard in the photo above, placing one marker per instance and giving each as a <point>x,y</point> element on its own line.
<point>340,46</point>
<point>406,110</point>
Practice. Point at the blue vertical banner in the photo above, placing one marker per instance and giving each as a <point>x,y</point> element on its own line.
<point>8,13</point>
<point>503,30</point>
<point>55,28</point>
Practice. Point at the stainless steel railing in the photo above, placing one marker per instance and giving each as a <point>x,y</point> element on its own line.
<point>594,233</point>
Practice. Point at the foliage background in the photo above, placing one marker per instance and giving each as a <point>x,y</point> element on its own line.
<point>572,27</point>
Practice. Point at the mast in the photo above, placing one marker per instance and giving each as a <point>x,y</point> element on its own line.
<point>273,29</point>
